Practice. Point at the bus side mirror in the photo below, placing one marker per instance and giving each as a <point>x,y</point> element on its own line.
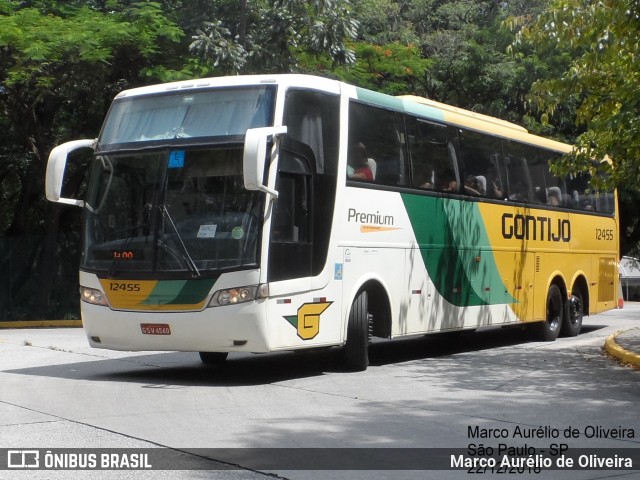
<point>55,170</point>
<point>253,161</point>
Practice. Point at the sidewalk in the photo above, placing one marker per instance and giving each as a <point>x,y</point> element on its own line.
<point>625,346</point>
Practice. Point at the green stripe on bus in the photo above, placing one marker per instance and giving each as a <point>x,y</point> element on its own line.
<point>179,292</point>
<point>380,99</point>
<point>455,248</point>
<point>387,101</point>
<point>423,110</point>
<point>194,291</point>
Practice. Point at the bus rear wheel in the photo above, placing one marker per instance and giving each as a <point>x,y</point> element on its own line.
<point>549,330</point>
<point>213,358</point>
<point>356,348</point>
<point>572,323</point>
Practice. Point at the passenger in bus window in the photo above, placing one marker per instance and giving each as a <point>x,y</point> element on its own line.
<point>472,186</point>
<point>497,190</point>
<point>519,193</point>
<point>425,176</point>
<point>586,205</point>
<point>449,185</point>
<point>428,182</point>
<point>359,167</point>
<point>493,180</point>
<point>481,181</point>
<point>553,197</point>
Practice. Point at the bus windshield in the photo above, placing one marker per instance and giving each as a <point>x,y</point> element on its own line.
<point>188,115</point>
<point>175,213</point>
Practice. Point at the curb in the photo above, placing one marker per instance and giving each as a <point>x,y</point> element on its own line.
<point>615,350</point>
<point>41,324</point>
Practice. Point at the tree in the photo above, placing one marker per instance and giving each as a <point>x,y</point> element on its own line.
<point>463,48</point>
<point>60,66</point>
<point>601,81</point>
<point>61,63</point>
<point>268,36</point>
<point>393,68</point>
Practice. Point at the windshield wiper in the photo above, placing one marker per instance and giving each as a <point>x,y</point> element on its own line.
<point>186,257</point>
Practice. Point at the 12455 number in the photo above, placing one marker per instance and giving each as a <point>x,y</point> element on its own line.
<point>604,234</point>
<point>124,287</point>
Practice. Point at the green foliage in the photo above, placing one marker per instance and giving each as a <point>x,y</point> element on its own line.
<point>462,51</point>
<point>60,66</point>
<point>267,36</point>
<point>392,68</point>
<point>38,41</point>
<point>61,63</point>
<point>601,80</point>
<point>215,42</point>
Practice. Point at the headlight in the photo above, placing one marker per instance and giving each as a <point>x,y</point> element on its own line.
<point>91,295</point>
<point>233,296</point>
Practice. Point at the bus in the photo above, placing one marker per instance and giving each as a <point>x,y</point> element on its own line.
<point>285,212</point>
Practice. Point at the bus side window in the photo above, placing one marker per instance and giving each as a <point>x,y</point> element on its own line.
<point>518,157</point>
<point>376,146</point>
<point>582,197</point>
<point>433,157</point>
<point>312,118</point>
<point>556,194</point>
<point>483,165</point>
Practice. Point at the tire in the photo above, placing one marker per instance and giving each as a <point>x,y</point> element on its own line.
<point>549,330</point>
<point>356,348</point>
<point>572,322</point>
<point>213,358</point>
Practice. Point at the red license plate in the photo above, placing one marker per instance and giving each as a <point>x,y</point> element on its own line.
<point>155,329</point>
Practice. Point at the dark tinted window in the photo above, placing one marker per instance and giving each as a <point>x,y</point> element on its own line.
<point>548,188</point>
<point>303,212</point>
<point>483,164</point>
<point>517,158</point>
<point>376,145</point>
<point>433,157</point>
<point>313,118</point>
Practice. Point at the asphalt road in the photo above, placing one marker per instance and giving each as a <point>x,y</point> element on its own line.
<point>421,393</point>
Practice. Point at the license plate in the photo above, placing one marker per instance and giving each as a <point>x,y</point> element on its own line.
<point>155,329</point>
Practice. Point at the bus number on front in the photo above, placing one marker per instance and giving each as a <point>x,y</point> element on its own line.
<point>124,287</point>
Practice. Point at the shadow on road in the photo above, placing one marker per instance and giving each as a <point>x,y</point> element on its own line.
<point>176,369</point>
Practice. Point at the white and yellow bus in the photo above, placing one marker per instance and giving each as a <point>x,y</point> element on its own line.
<point>286,212</point>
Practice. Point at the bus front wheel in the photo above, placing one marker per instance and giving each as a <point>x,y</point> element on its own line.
<point>356,348</point>
<point>549,329</point>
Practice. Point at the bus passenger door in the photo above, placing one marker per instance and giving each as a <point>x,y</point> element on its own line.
<point>290,246</point>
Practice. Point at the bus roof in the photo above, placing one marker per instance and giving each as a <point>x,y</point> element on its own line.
<point>460,114</point>
<point>485,123</point>
<point>286,80</point>
<point>419,106</point>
